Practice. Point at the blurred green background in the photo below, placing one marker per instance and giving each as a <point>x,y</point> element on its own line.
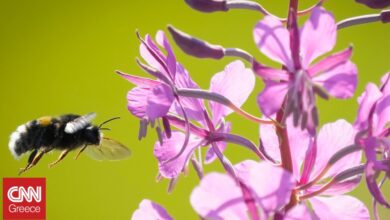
<point>59,57</point>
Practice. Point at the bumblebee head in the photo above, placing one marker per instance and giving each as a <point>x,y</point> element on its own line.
<point>92,135</point>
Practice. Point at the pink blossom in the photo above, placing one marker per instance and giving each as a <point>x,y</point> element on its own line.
<point>310,157</point>
<point>334,75</point>
<point>372,121</point>
<point>152,99</point>
<point>219,196</point>
<point>149,210</point>
<point>236,83</point>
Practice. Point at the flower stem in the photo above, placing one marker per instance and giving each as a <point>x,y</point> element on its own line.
<point>363,19</point>
<point>285,151</point>
<point>237,52</point>
<point>211,96</point>
<point>292,26</point>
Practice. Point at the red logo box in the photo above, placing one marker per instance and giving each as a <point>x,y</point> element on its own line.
<point>24,198</point>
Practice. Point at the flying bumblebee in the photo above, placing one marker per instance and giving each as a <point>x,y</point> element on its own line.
<point>66,133</point>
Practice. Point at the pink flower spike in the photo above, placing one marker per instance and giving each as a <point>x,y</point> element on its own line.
<point>149,210</point>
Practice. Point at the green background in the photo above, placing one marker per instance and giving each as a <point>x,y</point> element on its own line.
<point>59,57</point>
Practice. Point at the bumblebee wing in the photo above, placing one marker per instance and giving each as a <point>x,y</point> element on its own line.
<point>108,150</point>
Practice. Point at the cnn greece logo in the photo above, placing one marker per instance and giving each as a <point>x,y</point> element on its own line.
<point>24,198</point>
<point>22,193</point>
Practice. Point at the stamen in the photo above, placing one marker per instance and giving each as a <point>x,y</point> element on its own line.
<point>197,167</point>
<point>187,133</point>
<point>167,127</point>
<point>172,184</point>
<point>159,135</point>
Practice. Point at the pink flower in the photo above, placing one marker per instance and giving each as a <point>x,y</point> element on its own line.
<point>372,121</point>
<point>334,75</point>
<point>219,196</point>
<point>236,83</point>
<point>310,157</point>
<point>149,210</point>
<point>152,99</point>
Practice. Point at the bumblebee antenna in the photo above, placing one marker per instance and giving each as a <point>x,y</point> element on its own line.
<point>105,129</point>
<point>105,122</point>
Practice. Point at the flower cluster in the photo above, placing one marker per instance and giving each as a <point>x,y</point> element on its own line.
<point>302,171</point>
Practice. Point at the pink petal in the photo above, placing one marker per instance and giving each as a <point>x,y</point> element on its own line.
<point>192,106</point>
<point>330,62</point>
<point>385,83</point>
<point>154,57</point>
<point>170,58</point>
<point>235,83</point>
<point>149,210</point>
<point>271,98</point>
<point>318,35</point>
<point>272,185</point>
<point>331,138</point>
<point>269,73</point>
<point>338,188</point>
<point>170,148</point>
<point>382,114</point>
<point>339,82</point>
<point>371,170</point>
<point>159,101</point>
<point>366,101</point>
<point>299,211</point>
<point>273,40</point>
<point>137,101</point>
<point>270,141</point>
<point>138,81</point>
<point>339,208</point>
<point>210,154</point>
<point>299,141</point>
<point>218,197</point>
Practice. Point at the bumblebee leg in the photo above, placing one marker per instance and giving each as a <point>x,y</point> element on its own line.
<point>34,158</point>
<point>62,156</point>
<point>80,151</point>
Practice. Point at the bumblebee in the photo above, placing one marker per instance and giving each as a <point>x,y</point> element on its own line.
<point>66,133</point>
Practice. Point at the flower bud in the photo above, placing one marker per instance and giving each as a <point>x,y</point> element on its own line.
<point>196,47</point>
<point>385,16</point>
<point>375,3</point>
<point>208,5</point>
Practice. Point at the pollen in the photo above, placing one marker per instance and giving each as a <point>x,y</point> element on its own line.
<point>44,121</point>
